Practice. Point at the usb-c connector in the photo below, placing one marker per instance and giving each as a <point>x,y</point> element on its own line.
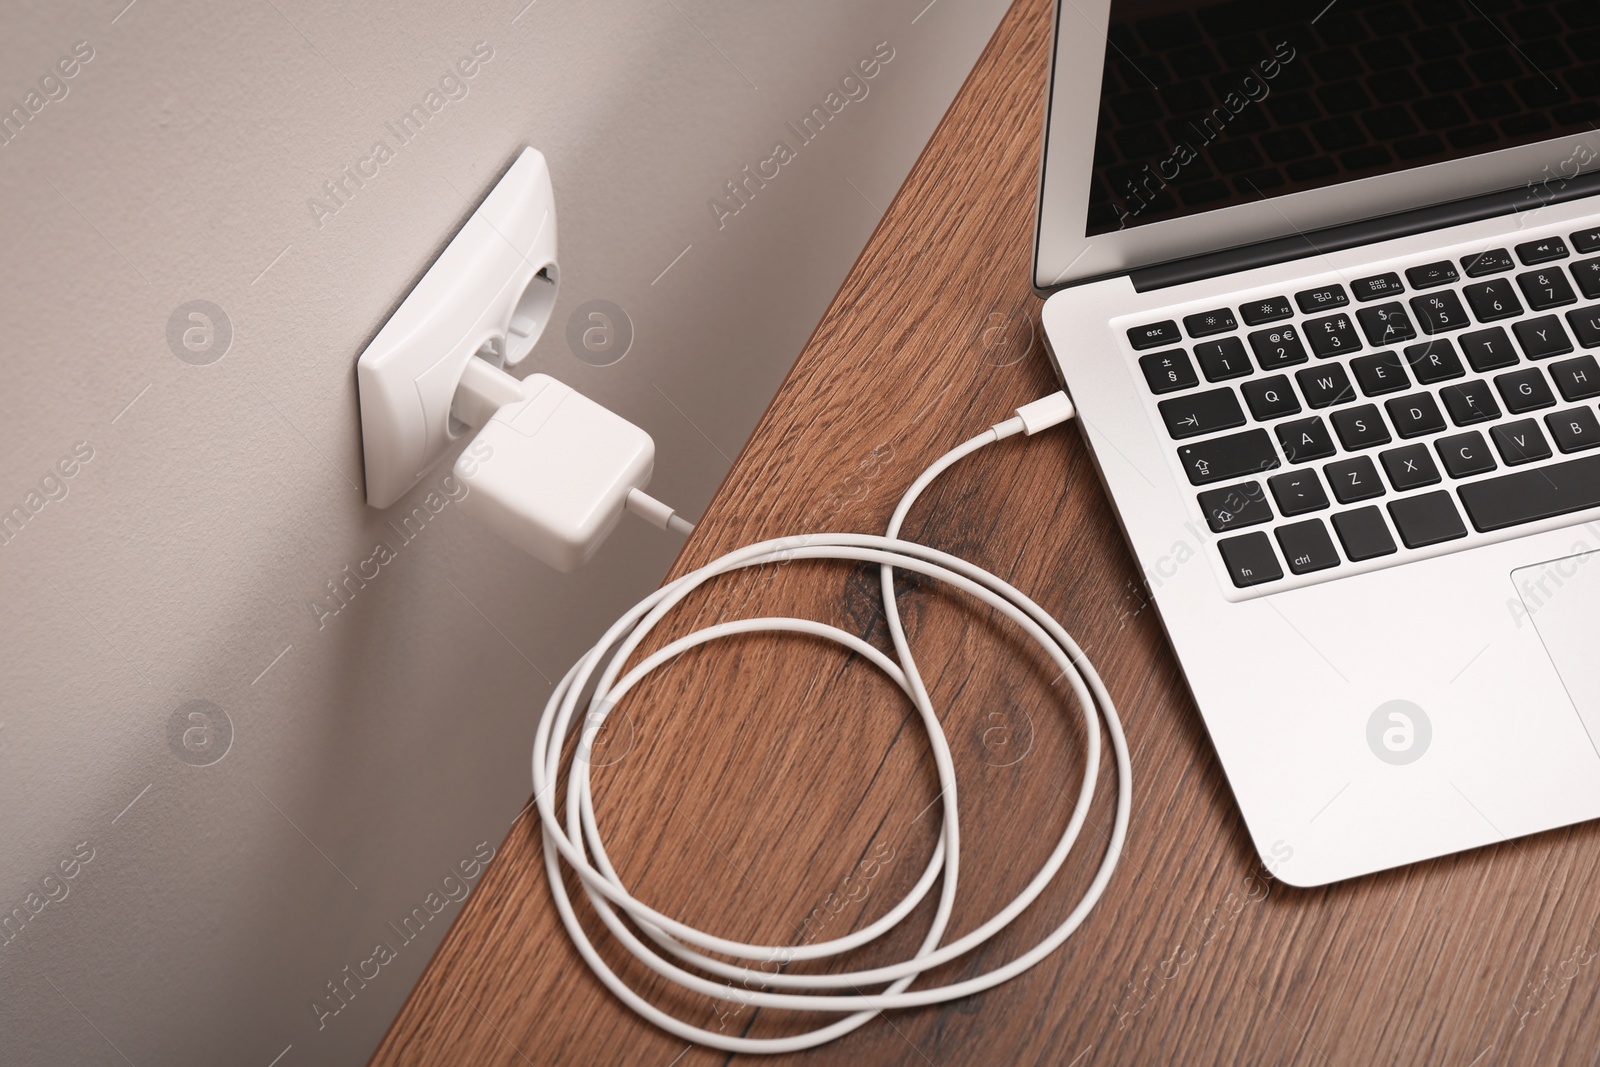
<point>1046,412</point>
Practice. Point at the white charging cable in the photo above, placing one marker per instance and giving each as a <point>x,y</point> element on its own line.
<point>674,946</point>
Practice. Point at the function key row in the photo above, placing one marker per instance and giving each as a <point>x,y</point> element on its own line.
<point>1378,373</point>
<point>1426,276</point>
<point>1386,325</point>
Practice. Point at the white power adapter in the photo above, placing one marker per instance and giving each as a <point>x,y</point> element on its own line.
<point>551,471</point>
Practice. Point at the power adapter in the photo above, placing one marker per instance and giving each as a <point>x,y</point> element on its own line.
<point>552,471</point>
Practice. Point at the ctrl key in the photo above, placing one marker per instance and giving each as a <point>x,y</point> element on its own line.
<point>1307,546</point>
<point>1250,559</point>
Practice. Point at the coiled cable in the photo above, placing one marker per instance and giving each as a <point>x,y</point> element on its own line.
<point>670,948</point>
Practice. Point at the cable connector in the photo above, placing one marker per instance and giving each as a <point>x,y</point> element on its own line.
<point>1038,415</point>
<point>657,514</point>
<point>551,471</point>
<point>1046,412</point>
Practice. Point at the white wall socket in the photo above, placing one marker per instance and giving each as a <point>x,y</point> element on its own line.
<point>490,292</point>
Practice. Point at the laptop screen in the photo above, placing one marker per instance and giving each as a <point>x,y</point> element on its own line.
<point>1208,105</point>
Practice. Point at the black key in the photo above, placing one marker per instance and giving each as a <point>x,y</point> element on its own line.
<point>1382,372</point>
<point>1546,289</point>
<point>1250,560</point>
<point>1542,338</point>
<point>1353,479</point>
<point>1519,442</point>
<point>1307,546</point>
<point>1471,402</point>
<point>1375,288</point>
<point>1304,439</point>
<point>1574,430</point>
<point>1361,427</point>
<point>1409,467</point>
<point>1578,379</point>
<point>1298,492</point>
<point>1432,274</point>
<point>1465,454</point>
<point>1440,312</point>
<point>1326,385</point>
<point>1493,300</point>
<point>1434,361</point>
<point>1364,534</point>
<point>1531,495</point>
<point>1198,413</point>
<point>1586,241</point>
<point>1545,251</point>
<point>1495,261</point>
<point>1233,456</point>
<point>1224,359</point>
<point>1271,309</point>
<point>1271,398</point>
<point>1278,348</point>
<point>1155,335</point>
<point>1524,390</point>
<point>1427,519</point>
<point>1488,350</point>
<point>1332,336</point>
<point>1415,415</point>
<point>1587,274</point>
<point>1329,296</point>
<point>1209,322</point>
<point>1386,324</point>
<point>1235,506</point>
<point>1167,372</point>
<point>1586,324</point>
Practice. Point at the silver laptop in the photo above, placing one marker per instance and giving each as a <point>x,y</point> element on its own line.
<point>1326,293</point>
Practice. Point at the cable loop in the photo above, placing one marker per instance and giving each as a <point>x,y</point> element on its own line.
<point>673,947</point>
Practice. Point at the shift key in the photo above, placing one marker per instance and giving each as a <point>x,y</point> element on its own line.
<point>1229,457</point>
<point>1193,414</point>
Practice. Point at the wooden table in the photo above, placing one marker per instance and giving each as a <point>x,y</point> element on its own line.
<point>757,777</point>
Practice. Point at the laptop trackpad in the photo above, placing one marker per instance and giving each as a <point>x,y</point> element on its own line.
<point>1562,598</point>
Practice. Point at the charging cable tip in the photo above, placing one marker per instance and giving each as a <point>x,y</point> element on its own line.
<point>1046,412</point>
<point>656,513</point>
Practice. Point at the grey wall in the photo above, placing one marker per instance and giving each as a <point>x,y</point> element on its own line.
<point>178,881</point>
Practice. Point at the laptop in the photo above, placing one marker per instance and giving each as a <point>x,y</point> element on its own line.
<point>1324,283</point>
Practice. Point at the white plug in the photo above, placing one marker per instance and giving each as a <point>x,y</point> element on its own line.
<point>551,471</point>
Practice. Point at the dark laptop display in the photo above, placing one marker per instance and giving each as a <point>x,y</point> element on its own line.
<point>1208,105</point>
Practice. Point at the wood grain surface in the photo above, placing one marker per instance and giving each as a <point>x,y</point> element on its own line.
<point>774,789</point>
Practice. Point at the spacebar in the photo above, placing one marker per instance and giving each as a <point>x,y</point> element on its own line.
<point>1530,495</point>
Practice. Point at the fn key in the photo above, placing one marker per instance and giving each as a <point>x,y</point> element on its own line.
<point>1250,559</point>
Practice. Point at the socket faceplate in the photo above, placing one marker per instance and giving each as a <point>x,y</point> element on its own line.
<point>492,288</point>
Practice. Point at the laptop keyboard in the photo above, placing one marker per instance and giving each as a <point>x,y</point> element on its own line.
<point>1388,413</point>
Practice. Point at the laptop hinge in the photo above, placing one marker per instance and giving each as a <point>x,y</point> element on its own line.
<point>1370,231</point>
